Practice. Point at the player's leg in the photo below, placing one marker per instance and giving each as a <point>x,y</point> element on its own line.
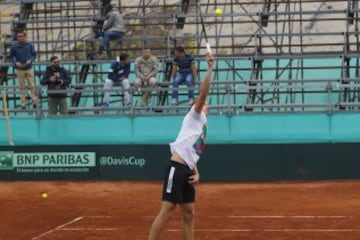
<point>188,207</point>
<point>166,211</point>
<point>171,194</point>
<point>188,213</point>
<point>173,188</point>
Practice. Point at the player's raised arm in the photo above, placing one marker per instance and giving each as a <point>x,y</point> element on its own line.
<point>205,84</point>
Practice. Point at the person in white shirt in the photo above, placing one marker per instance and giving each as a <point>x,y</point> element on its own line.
<point>182,172</point>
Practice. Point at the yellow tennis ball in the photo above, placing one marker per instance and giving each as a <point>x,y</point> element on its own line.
<point>44,195</point>
<point>218,12</point>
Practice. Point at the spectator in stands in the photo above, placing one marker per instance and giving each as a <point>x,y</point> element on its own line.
<point>113,28</point>
<point>57,79</point>
<point>22,54</point>
<point>182,171</point>
<point>146,69</point>
<point>183,70</point>
<point>118,75</point>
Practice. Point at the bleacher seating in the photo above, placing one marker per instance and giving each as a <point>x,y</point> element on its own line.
<point>272,58</point>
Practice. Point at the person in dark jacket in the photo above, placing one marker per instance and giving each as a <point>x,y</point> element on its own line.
<point>22,54</point>
<point>118,75</point>
<point>57,79</point>
<point>184,70</point>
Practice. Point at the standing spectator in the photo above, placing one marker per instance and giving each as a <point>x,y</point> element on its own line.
<point>118,74</point>
<point>183,70</point>
<point>113,28</point>
<point>146,69</point>
<point>57,79</point>
<point>22,54</point>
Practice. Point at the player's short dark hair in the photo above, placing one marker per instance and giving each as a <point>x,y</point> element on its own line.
<point>179,49</point>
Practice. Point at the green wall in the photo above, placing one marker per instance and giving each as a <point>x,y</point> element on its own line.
<point>247,128</point>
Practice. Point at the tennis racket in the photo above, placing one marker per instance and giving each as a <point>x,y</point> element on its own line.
<point>208,48</point>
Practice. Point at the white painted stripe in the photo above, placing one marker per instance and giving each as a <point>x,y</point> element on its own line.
<point>88,229</point>
<point>99,216</point>
<point>170,180</point>
<point>281,216</point>
<point>57,228</point>
<point>268,230</point>
<point>224,230</point>
<point>311,230</point>
<point>270,216</point>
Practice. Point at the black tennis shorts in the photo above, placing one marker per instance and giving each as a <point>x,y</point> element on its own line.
<point>176,186</point>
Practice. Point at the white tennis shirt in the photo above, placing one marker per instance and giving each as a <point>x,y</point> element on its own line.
<point>190,141</point>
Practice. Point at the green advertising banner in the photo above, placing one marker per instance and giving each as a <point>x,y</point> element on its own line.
<point>112,162</point>
<point>35,163</point>
<point>133,162</point>
<point>220,162</point>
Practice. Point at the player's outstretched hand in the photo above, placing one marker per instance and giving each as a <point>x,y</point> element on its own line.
<point>210,59</point>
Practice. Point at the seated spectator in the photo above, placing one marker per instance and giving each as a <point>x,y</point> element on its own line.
<point>146,69</point>
<point>183,70</point>
<point>118,75</point>
<point>57,79</point>
<point>113,28</point>
<point>22,54</point>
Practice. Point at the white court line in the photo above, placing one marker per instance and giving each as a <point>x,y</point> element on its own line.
<point>270,216</point>
<point>57,228</point>
<point>224,230</point>
<point>268,230</point>
<point>64,228</point>
<point>281,216</point>
<point>89,229</point>
<point>99,216</point>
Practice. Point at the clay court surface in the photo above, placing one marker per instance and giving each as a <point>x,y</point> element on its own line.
<point>125,210</point>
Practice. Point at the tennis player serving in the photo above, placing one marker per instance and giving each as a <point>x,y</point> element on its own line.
<point>182,172</point>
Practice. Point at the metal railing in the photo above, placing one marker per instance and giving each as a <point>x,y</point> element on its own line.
<point>225,97</point>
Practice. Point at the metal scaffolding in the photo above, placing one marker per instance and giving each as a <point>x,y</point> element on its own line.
<point>271,52</point>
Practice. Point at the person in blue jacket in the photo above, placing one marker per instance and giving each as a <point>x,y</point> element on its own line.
<point>118,75</point>
<point>23,54</point>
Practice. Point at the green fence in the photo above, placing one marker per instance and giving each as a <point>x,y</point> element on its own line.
<point>246,128</point>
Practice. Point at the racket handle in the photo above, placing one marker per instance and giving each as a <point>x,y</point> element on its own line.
<point>208,49</point>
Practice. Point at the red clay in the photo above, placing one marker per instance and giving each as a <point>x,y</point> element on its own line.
<point>232,211</point>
